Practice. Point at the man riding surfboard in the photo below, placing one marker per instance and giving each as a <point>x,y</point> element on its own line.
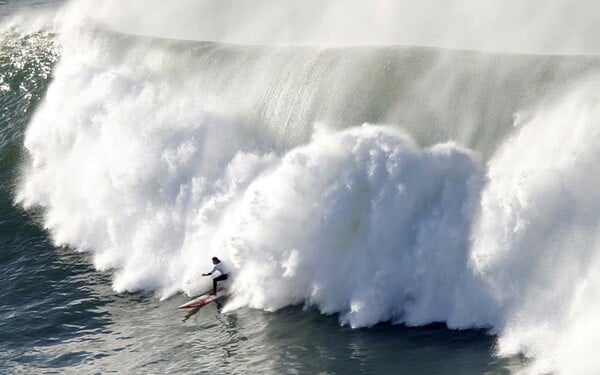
<point>219,266</point>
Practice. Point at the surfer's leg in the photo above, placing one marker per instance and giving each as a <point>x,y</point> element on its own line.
<point>220,278</point>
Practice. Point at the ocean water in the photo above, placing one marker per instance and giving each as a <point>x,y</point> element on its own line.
<point>398,199</point>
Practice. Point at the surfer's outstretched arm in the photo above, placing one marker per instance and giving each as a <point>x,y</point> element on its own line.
<point>211,272</point>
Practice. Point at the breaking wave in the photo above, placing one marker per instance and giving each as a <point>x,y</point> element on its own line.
<point>411,185</point>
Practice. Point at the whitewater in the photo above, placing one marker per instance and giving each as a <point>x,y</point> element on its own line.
<point>375,181</point>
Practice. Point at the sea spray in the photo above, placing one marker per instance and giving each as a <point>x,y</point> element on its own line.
<point>537,239</point>
<point>518,26</point>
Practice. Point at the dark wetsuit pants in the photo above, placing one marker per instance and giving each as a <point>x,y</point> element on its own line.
<point>220,278</point>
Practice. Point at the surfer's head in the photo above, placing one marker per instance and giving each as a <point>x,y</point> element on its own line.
<point>216,260</point>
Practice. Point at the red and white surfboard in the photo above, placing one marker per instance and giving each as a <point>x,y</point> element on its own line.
<point>203,300</point>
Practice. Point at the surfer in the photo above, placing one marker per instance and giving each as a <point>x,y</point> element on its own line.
<point>219,266</point>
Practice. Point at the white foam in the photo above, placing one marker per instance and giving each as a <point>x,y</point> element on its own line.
<point>359,222</point>
<point>537,239</point>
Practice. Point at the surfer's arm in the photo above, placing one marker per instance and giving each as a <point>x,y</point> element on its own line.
<point>210,273</point>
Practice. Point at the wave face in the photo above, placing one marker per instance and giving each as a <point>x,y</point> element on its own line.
<point>411,185</point>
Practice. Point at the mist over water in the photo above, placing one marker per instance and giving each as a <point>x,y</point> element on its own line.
<point>530,26</point>
<point>381,183</point>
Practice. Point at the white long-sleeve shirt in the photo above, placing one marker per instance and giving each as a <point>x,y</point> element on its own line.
<point>221,268</point>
